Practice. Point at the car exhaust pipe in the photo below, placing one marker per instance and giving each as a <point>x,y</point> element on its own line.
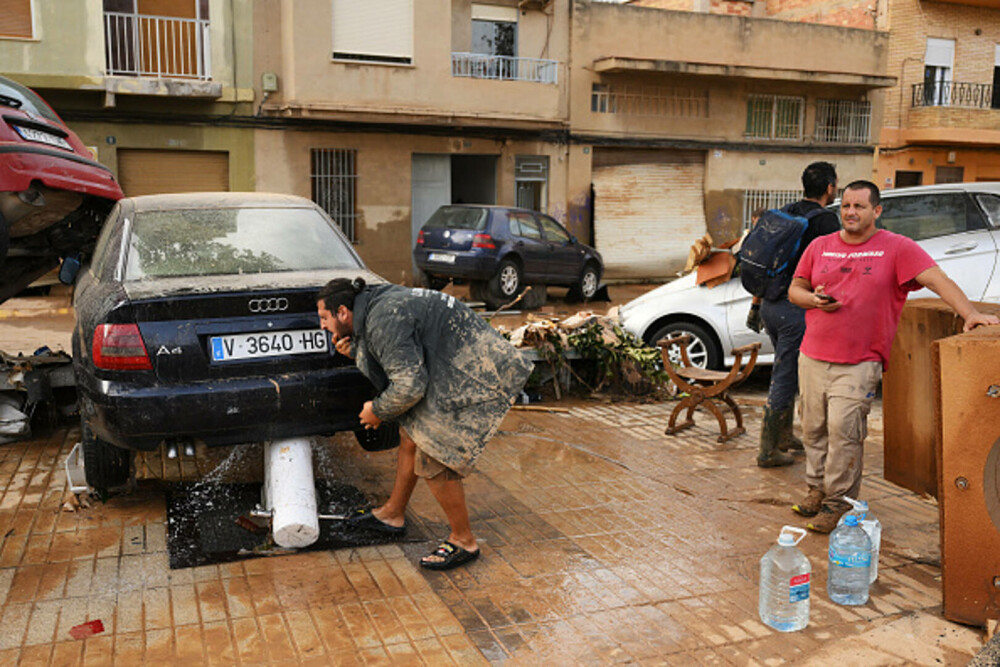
<point>289,492</point>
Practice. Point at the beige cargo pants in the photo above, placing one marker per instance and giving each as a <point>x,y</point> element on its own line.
<point>836,400</point>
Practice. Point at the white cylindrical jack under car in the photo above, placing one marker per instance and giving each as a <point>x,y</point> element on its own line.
<point>290,492</point>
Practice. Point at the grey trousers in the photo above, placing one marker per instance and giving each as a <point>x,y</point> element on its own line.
<point>836,400</point>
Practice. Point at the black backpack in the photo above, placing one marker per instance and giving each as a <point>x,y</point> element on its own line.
<point>768,250</point>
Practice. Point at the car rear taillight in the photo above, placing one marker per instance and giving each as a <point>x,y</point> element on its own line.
<point>483,241</point>
<point>119,347</point>
<point>420,237</point>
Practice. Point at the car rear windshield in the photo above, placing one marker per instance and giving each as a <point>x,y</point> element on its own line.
<point>18,97</point>
<point>233,241</point>
<point>458,217</point>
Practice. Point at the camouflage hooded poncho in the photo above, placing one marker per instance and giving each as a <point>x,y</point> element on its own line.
<point>442,371</point>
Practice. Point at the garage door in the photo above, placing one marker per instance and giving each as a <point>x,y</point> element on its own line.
<point>147,172</point>
<point>649,207</point>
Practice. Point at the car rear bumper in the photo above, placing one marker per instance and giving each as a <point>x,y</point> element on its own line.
<point>467,265</point>
<point>58,169</point>
<point>226,412</point>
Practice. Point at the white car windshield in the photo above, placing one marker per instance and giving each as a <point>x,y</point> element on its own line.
<point>233,241</point>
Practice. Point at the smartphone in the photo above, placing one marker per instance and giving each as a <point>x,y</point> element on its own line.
<point>829,298</point>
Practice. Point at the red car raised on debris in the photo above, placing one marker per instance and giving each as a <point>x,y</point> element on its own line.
<point>54,196</point>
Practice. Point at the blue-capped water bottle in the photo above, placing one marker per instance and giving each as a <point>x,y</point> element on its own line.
<point>850,555</point>
<point>785,576</point>
<point>872,528</point>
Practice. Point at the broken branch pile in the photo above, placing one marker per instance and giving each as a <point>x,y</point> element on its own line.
<point>594,351</point>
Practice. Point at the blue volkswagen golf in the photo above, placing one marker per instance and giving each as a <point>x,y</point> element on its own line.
<point>500,249</point>
<point>196,321</point>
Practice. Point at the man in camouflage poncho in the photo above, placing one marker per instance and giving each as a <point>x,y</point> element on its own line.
<point>444,374</point>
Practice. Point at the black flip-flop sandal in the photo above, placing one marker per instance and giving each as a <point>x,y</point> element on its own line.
<point>451,556</point>
<point>365,519</point>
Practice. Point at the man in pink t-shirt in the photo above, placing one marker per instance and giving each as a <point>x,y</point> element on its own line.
<point>853,285</point>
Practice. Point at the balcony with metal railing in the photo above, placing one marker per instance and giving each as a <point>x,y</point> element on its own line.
<point>504,68</point>
<point>955,94</point>
<point>157,46</point>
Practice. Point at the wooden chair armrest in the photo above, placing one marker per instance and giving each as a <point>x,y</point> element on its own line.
<point>753,349</point>
<point>681,340</point>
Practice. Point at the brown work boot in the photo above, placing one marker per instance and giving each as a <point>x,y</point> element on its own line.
<point>770,456</point>
<point>812,504</point>
<point>826,520</point>
<point>786,436</point>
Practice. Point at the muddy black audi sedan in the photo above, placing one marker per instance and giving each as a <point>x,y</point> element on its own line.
<point>196,321</point>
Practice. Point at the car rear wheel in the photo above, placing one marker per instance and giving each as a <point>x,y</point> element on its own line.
<point>505,285</point>
<point>587,287</point>
<point>106,466</point>
<point>702,350</point>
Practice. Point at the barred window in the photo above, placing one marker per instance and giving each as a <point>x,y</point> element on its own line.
<point>757,199</point>
<point>334,177</point>
<point>649,100</point>
<point>843,121</point>
<point>774,117</point>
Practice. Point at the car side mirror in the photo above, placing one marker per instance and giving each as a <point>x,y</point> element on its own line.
<point>69,269</point>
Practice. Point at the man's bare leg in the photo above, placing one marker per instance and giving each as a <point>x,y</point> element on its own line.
<point>393,512</point>
<point>450,494</point>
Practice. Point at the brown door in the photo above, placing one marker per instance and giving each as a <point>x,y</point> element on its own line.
<point>148,172</point>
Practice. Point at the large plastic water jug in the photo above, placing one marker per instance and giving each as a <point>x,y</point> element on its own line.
<point>872,528</point>
<point>785,578</point>
<point>850,558</point>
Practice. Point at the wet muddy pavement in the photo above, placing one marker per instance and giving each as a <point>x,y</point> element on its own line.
<point>604,541</point>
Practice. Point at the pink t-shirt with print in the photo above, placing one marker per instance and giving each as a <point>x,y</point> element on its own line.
<point>871,281</point>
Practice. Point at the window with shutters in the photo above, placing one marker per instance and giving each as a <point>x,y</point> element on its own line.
<point>938,61</point>
<point>15,19</point>
<point>334,177</point>
<point>376,31</point>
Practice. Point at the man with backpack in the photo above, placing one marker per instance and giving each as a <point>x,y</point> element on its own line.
<point>785,322</point>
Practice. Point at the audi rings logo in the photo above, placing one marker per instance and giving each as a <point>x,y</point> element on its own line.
<point>272,305</point>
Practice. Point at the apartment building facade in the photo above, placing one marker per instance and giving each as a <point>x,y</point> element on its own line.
<point>640,128</point>
<point>383,110</point>
<point>942,121</point>
<point>153,87</point>
<point>686,119</point>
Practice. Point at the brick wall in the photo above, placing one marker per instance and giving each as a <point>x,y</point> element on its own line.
<point>975,119</point>
<point>729,7</point>
<point>843,13</point>
<point>911,22</point>
<point>677,5</point>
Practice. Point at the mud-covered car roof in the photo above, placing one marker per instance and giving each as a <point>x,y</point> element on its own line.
<point>213,200</point>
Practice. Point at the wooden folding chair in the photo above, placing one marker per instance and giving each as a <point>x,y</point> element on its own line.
<point>705,387</point>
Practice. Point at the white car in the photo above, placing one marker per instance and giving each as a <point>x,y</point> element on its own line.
<point>957,224</point>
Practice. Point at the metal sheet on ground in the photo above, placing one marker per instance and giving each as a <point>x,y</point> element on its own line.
<point>202,528</point>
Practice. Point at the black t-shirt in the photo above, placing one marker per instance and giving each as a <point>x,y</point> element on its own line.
<point>820,225</point>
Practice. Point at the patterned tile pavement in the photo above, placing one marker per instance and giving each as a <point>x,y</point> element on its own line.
<point>604,541</point>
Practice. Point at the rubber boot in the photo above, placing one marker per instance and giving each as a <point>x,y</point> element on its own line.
<point>786,436</point>
<point>770,456</point>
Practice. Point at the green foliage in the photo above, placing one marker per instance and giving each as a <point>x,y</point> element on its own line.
<point>626,364</point>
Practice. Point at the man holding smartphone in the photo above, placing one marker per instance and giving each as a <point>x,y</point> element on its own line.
<point>853,285</point>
